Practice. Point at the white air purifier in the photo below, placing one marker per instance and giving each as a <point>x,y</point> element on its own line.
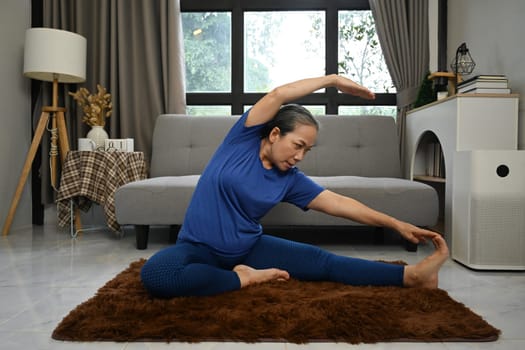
<point>488,209</point>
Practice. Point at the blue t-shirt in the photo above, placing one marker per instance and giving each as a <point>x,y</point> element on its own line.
<point>235,191</point>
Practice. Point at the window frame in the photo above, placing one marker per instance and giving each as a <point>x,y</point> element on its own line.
<point>237,98</point>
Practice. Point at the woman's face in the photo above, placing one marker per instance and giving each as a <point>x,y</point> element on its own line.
<point>288,150</point>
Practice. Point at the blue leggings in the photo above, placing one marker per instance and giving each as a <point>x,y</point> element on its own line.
<point>189,269</point>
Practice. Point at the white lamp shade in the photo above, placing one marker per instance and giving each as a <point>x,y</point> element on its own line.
<point>55,54</point>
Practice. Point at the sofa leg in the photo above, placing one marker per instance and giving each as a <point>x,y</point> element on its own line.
<point>141,232</point>
<point>410,247</point>
<point>174,233</point>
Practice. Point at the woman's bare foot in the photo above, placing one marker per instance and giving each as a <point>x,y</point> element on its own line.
<point>425,273</point>
<point>248,275</point>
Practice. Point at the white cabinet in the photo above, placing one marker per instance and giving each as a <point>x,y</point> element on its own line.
<point>460,123</point>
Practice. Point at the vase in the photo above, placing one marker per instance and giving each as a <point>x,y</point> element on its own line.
<point>98,135</point>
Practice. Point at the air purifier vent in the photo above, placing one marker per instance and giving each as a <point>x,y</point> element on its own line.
<point>488,209</point>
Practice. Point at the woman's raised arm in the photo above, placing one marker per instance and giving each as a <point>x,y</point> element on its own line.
<point>266,108</point>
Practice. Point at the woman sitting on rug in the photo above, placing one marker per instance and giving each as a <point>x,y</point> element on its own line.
<point>221,246</point>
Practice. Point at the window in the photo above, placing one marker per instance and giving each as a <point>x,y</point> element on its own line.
<point>238,50</point>
<point>282,46</point>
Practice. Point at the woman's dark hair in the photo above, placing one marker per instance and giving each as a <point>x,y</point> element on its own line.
<point>287,119</point>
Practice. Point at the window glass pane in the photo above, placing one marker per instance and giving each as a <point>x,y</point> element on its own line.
<point>281,47</point>
<point>368,110</point>
<point>315,110</point>
<point>209,110</point>
<point>360,56</point>
<point>207,49</point>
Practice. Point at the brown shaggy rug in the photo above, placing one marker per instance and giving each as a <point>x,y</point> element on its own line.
<point>293,311</point>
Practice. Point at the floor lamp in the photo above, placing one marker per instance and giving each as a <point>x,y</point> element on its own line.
<point>56,56</point>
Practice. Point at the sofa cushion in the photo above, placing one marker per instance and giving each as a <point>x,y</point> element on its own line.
<point>183,145</point>
<point>151,201</point>
<point>346,145</point>
<point>155,201</point>
<point>406,200</point>
<point>354,146</point>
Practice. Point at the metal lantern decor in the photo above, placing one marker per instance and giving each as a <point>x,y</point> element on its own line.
<point>462,64</point>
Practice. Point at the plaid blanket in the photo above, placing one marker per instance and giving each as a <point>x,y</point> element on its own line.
<point>93,177</point>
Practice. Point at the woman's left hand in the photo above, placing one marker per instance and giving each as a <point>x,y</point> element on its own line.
<point>415,234</point>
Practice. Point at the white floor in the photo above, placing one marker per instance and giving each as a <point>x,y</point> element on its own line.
<point>44,274</point>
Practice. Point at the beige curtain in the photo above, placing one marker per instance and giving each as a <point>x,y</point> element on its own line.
<point>134,50</point>
<point>402,28</point>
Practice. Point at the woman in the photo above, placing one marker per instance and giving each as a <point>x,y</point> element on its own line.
<point>221,246</point>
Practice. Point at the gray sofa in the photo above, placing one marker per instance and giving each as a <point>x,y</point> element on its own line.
<point>355,156</point>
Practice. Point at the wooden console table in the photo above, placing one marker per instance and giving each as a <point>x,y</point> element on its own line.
<point>93,177</point>
<point>460,123</point>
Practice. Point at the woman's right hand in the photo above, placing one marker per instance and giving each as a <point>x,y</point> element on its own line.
<point>352,88</point>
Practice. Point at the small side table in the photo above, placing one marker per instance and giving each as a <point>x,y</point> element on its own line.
<point>93,177</point>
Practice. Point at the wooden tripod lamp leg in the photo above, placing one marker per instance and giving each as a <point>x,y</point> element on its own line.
<point>62,135</point>
<point>41,127</point>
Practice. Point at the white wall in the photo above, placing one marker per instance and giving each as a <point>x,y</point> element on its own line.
<point>433,34</point>
<point>15,106</point>
<point>493,31</point>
